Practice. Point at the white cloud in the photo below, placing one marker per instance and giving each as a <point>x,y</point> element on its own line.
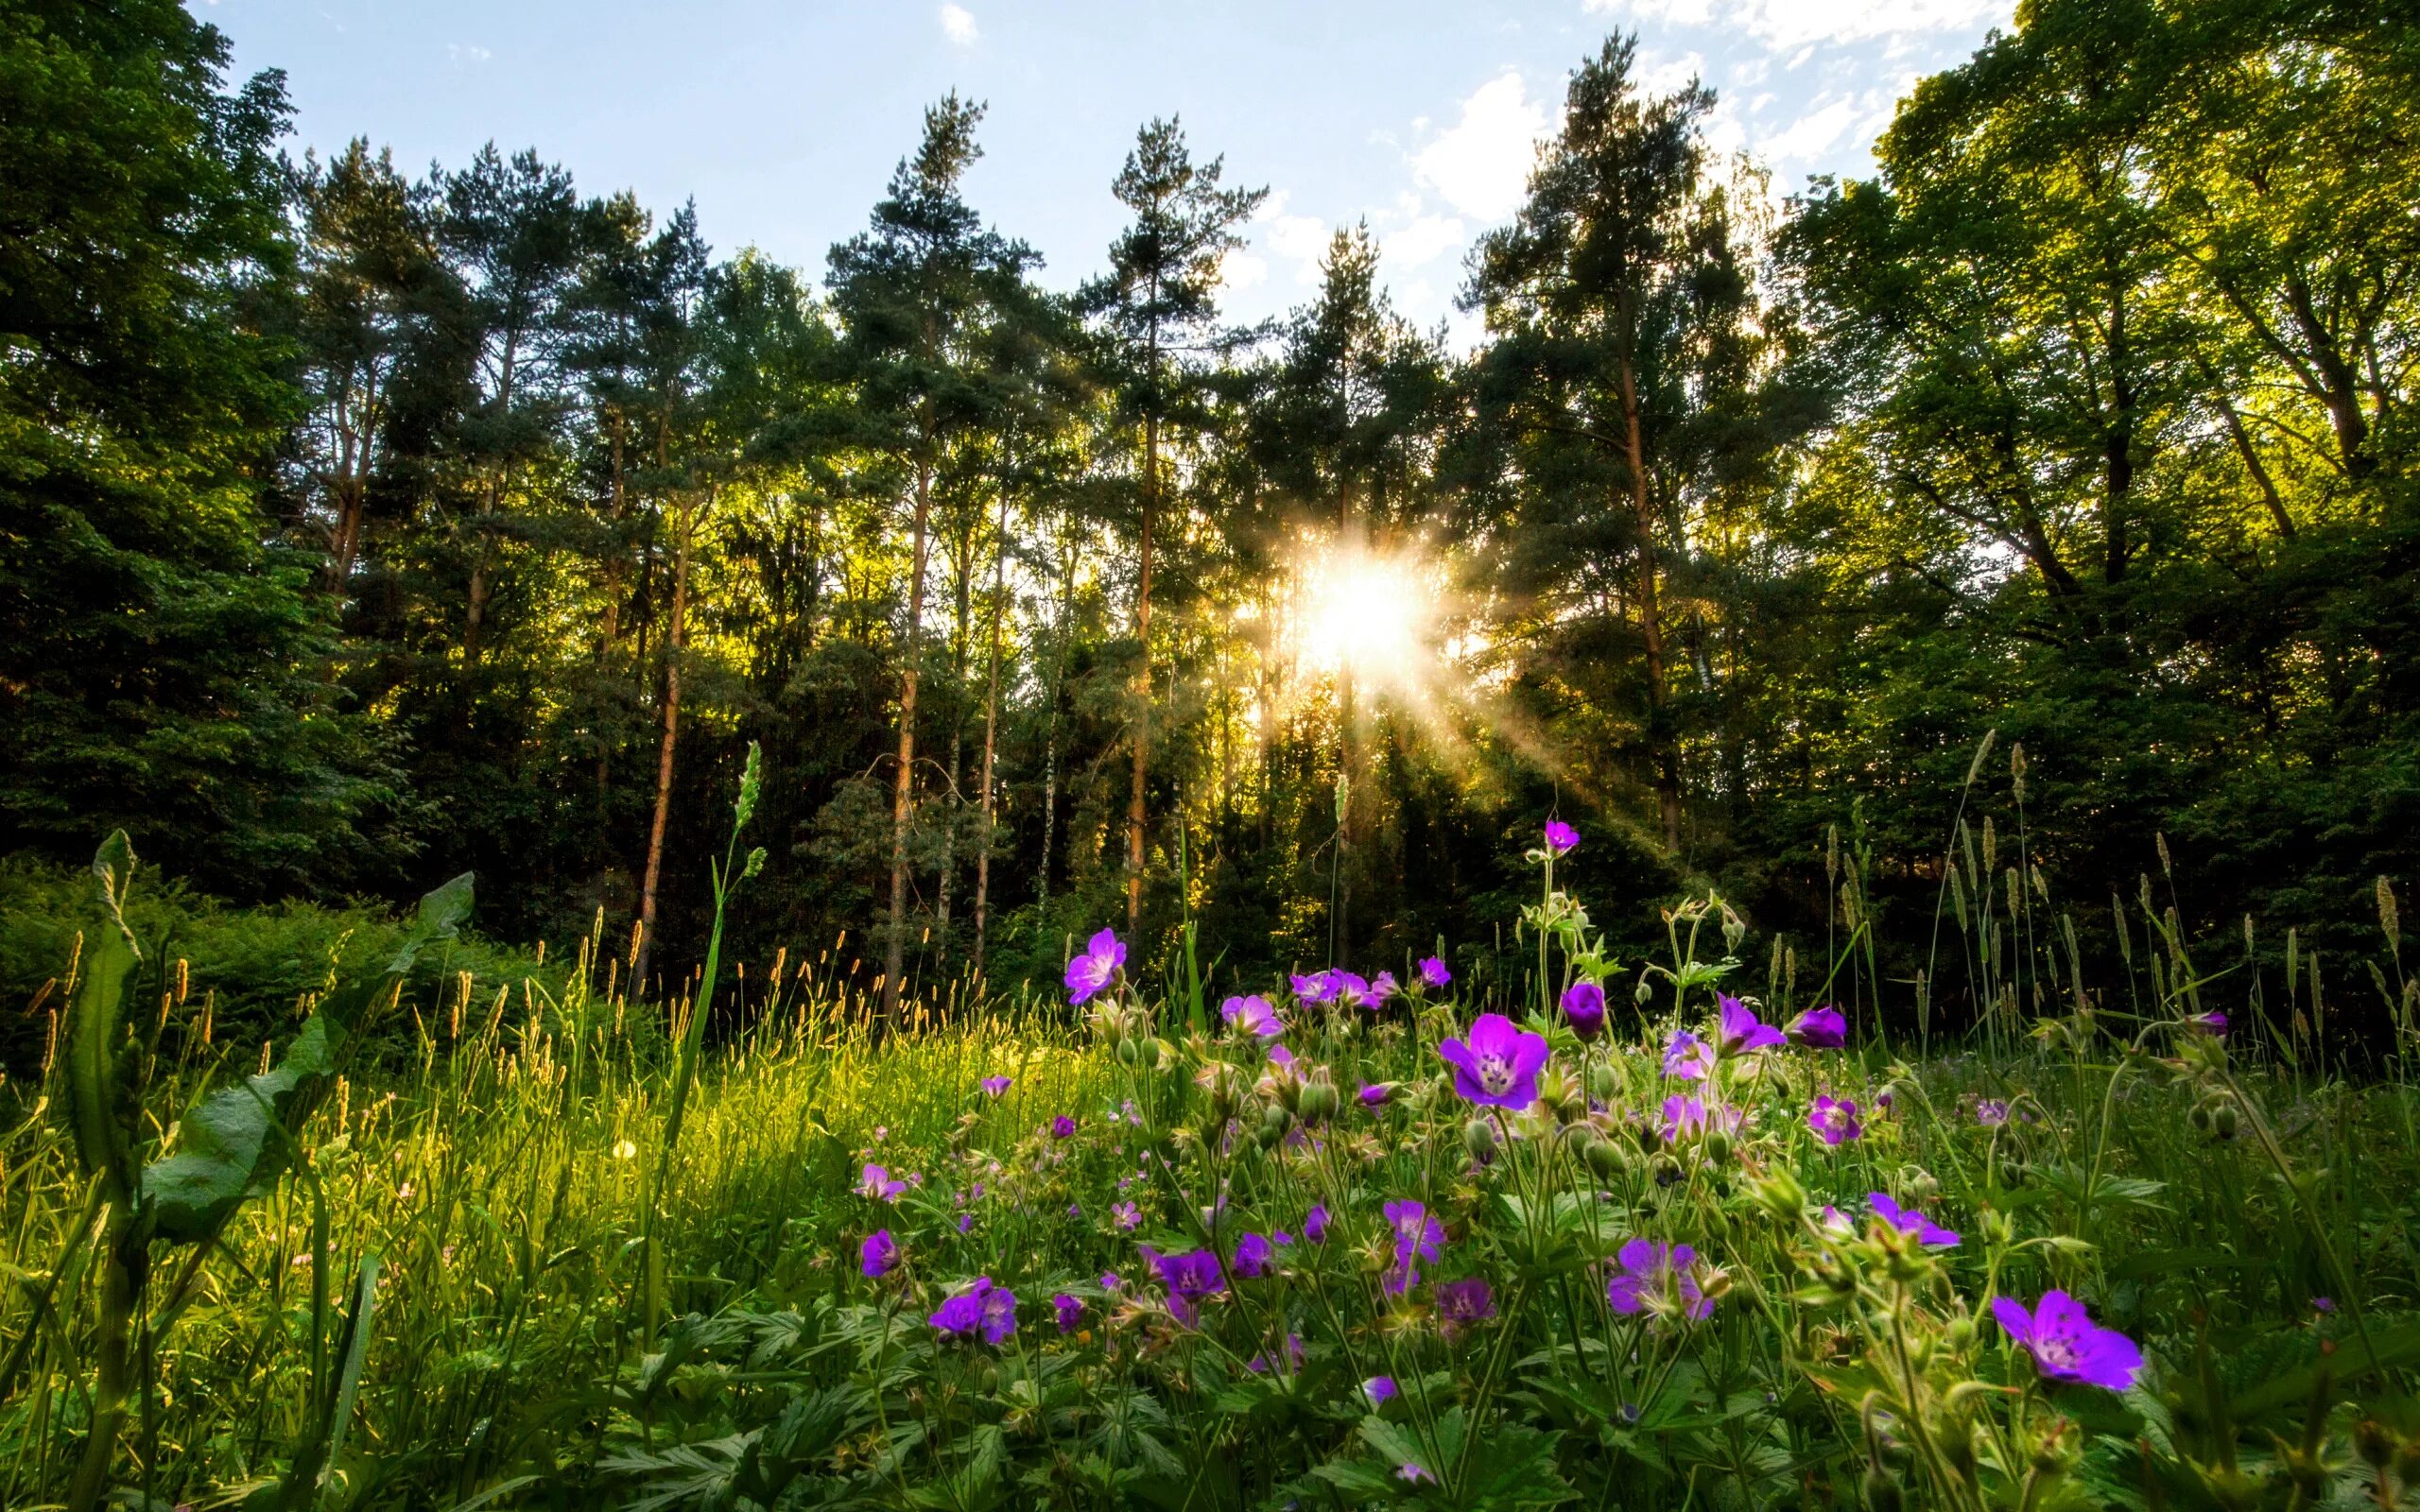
<point>1482,163</point>
<point>1419,242</point>
<point>1669,77</point>
<point>1300,240</point>
<point>1676,13</point>
<point>1805,139</point>
<point>958,24</point>
<point>1240,269</point>
<point>462,52</point>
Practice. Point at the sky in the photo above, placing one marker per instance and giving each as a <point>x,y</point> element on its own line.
<point>784,120</point>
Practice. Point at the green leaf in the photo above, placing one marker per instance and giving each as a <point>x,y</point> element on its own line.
<point>101,1141</point>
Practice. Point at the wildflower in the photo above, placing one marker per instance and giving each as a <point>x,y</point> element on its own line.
<point>1095,967</point>
<point>1499,1065</point>
<point>624,1150</point>
<point>1836,1223</point>
<point>1251,1015</point>
<point>1583,1008</point>
<point>1909,1221</point>
<point>1834,1120</point>
<point>1281,1057</point>
<point>1411,1473</point>
<point>1063,1128</point>
<point>878,1254</point>
<point>877,1183</point>
<point>1465,1303</point>
<point>984,1308</point>
<point>1315,1224</point>
<point>1379,1389</point>
<point>1742,1031</point>
<point>2323,1304</point>
<point>1823,1028</point>
<point>1259,1364</point>
<point>1991,1112</point>
<point>1417,1238</point>
<point>1355,992</point>
<point>994,1085</point>
<point>1109,1281</point>
<point>1649,1268</point>
<point>1070,1311</point>
<point>1129,1216</point>
<point>1374,1094</point>
<point>1684,1117</point>
<point>1189,1277</point>
<point>2067,1344</point>
<point>1256,1254</point>
<point>1562,839</point>
<point>966,1222</point>
<point>1687,1057</point>
<point>1431,973</point>
<point>2213,1024</point>
<point>1319,987</point>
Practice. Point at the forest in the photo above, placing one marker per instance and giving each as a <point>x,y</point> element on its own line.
<point>636,877</point>
<point>365,526</point>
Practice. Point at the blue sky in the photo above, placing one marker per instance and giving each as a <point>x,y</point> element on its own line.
<point>785,120</point>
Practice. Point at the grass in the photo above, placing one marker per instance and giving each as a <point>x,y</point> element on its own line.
<point>494,1274</point>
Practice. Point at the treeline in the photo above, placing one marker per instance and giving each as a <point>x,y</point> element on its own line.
<point>358,528</point>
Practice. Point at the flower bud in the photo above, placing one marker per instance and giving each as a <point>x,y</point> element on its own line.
<point>1882,1493</point>
<point>1129,1055</point>
<point>1666,1170</point>
<point>1320,1099</point>
<point>2224,1122</point>
<point>1478,1137</point>
<point>1606,1159</point>
<point>1960,1334</point>
<point>1274,1121</point>
<point>1778,1193</point>
<point>1718,1145</point>
<point>1603,1081</point>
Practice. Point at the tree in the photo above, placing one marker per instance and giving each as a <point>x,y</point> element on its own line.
<point>911,291</point>
<point>162,664</point>
<point>1591,298</point>
<point>1159,298</point>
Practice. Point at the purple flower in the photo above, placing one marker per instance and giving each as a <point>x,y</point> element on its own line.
<point>966,1222</point>
<point>1684,1118</point>
<point>878,1254</point>
<point>1741,1031</point>
<point>1411,1473</point>
<point>1649,1268</point>
<point>1256,1254</point>
<point>2213,1024</point>
<point>1908,1220</point>
<point>1379,1389</point>
<point>1189,1277</point>
<point>1315,1224</point>
<point>1465,1303</point>
<point>1417,1238</point>
<point>1109,1281</point>
<point>1319,987</point>
<point>1259,1364</point>
<point>1991,1112</point>
<point>1063,1128</point>
<point>1583,1007</point>
<point>1095,967</point>
<point>877,1183</point>
<point>1687,1057</point>
<point>1561,838</point>
<point>984,1308</point>
<point>1431,973</point>
<point>1499,1065</point>
<point>1280,1055</point>
<point>1834,1120</point>
<point>1129,1216</point>
<point>1070,1311</point>
<point>1251,1015</point>
<point>1823,1028</point>
<point>1375,1094</point>
<point>2323,1304</point>
<point>1372,994</point>
<point>2067,1344</point>
<point>994,1085</point>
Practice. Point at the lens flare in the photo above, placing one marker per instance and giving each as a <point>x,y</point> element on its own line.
<point>1365,614</point>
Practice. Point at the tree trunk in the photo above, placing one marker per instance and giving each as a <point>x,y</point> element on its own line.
<point>1142,680</point>
<point>991,728</point>
<point>1651,624</point>
<point>895,950</point>
<point>1050,742</point>
<point>675,636</point>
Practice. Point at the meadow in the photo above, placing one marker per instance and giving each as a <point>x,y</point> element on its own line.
<point>1691,1229</point>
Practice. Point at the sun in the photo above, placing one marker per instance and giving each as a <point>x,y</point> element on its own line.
<point>1367,614</point>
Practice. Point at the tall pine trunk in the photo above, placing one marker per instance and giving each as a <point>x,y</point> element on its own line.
<point>675,636</point>
<point>895,948</point>
<point>1142,680</point>
<point>990,730</point>
<point>1651,624</point>
<point>1051,741</point>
